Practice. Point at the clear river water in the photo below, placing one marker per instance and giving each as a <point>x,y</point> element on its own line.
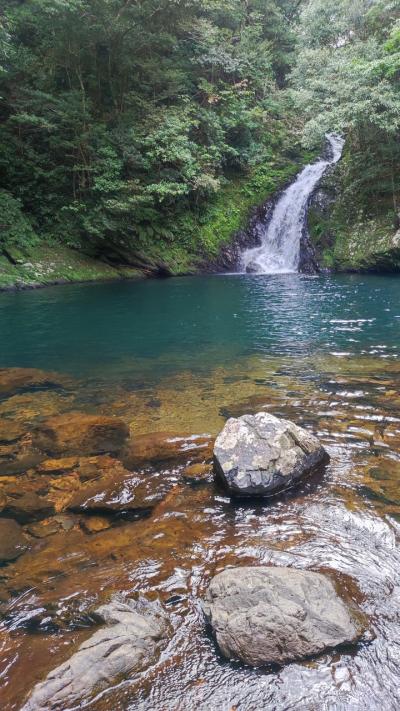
<point>180,356</point>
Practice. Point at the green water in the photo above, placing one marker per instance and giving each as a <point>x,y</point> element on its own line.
<point>180,356</point>
<point>198,322</point>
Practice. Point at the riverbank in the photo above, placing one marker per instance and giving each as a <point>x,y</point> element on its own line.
<point>199,241</point>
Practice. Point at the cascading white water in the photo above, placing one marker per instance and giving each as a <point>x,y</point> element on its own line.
<point>279,252</point>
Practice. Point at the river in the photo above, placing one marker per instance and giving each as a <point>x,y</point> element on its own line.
<point>181,355</point>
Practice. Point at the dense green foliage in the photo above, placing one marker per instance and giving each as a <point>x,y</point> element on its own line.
<point>347,78</point>
<point>150,127</point>
<point>124,121</point>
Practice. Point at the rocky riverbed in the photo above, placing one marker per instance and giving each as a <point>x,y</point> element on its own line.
<point>107,488</point>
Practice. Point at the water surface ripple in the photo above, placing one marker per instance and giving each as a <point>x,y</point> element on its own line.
<point>182,355</point>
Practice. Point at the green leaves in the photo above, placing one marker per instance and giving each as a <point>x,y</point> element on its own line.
<point>15,228</point>
<point>347,79</point>
<point>118,117</point>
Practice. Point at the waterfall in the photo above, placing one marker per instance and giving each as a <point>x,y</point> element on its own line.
<point>279,252</point>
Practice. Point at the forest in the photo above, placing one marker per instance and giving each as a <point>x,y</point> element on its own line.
<point>143,130</point>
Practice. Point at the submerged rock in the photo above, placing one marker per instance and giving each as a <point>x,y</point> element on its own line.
<point>120,491</point>
<point>28,506</point>
<point>77,432</point>
<point>166,447</point>
<point>278,615</point>
<point>95,524</point>
<point>10,431</point>
<point>134,635</point>
<point>12,540</point>
<point>262,454</point>
<point>15,380</point>
<point>197,473</point>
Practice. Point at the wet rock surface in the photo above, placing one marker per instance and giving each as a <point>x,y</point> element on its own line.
<point>121,491</point>
<point>28,506</point>
<point>162,447</point>
<point>76,432</point>
<point>134,634</point>
<point>10,431</point>
<point>259,455</point>
<point>13,542</point>
<point>346,523</point>
<point>270,615</point>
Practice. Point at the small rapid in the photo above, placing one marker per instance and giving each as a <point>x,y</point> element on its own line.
<point>279,252</point>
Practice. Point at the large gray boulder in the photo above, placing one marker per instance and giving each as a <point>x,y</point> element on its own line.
<point>270,615</point>
<point>258,455</point>
<point>134,634</point>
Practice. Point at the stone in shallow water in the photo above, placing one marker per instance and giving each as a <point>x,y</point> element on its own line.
<point>131,641</point>
<point>270,615</point>
<point>95,524</point>
<point>170,447</point>
<point>28,507</point>
<point>14,380</point>
<point>58,466</point>
<point>10,431</point>
<point>12,540</point>
<point>262,454</point>
<point>121,491</point>
<point>79,433</point>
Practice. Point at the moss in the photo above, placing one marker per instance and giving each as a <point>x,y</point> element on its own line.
<point>345,235</point>
<point>45,265</point>
<point>368,245</point>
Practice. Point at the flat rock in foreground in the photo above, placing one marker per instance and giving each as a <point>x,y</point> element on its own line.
<point>268,615</point>
<point>134,634</point>
<point>258,455</point>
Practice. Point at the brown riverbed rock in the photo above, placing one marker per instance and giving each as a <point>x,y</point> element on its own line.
<point>95,524</point>
<point>13,542</point>
<point>121,491</point>
<point>28,507</point>
<point>259,455</point>
<point>268,615</point>
<point>133,635</point>
<point>15,380</point>
<point>80,433</point>
<point>169,447</point>
<point>58,466</point>
<point>17,460</point>
<point>197,473</point>
<point>10,431</point>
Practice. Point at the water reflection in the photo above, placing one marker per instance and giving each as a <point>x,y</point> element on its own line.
<point>179,366</point>
<point>198,323</point>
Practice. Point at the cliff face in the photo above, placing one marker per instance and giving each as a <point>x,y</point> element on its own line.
<point>347,239</point>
